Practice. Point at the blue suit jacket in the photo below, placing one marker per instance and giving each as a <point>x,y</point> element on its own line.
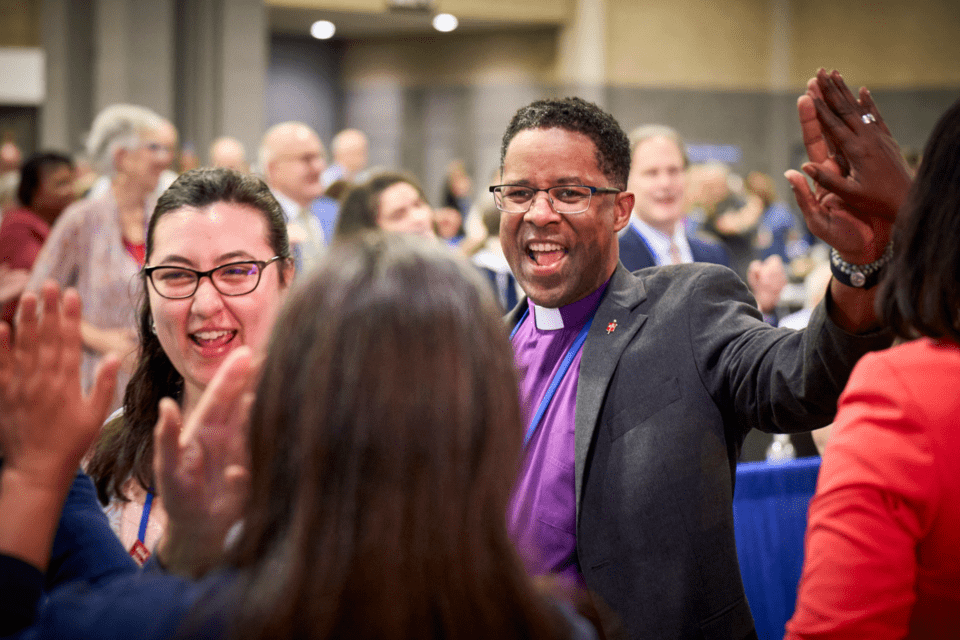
<point>635,254</point>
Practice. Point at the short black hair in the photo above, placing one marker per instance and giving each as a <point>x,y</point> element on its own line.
<point>579,116</point>
<point>32,171</point>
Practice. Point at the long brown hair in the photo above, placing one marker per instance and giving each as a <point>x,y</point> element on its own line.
<point>125,447</point>
<point>385,439</point>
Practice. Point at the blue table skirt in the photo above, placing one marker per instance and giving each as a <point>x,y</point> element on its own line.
<point>770,517</point>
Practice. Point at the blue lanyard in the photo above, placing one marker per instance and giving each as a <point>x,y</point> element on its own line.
<point>145,517</point>
<point>557,377</point>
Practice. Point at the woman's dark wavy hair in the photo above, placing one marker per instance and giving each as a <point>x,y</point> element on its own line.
<point>920,294</point>
<point>385,439</point>
<point>125,447</point>
<point>359,206</point>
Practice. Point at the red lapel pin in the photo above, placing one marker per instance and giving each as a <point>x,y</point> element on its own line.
<point>612,327</point>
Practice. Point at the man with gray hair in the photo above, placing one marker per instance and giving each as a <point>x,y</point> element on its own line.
<point>291,159</point>
<point>657,234</point>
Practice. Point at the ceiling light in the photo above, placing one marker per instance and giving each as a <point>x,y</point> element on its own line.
<point>322,29</point>
<point>444,22</point>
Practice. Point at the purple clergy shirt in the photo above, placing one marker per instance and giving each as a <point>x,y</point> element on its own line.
<point>542,514</point>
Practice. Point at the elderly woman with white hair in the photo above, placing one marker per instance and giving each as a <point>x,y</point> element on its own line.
<point>97,244</point>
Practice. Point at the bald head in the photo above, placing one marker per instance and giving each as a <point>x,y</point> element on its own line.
<point>292,159</point>
<point>350,151</point>
<point>228,153</point>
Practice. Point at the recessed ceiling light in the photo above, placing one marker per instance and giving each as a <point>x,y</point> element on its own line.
<point>445,22</point>
<point>322,29</point>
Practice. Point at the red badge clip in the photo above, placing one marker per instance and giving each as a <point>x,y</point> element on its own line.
<point>139,552</point>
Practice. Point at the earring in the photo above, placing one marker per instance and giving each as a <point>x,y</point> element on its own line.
<point>153,327</point>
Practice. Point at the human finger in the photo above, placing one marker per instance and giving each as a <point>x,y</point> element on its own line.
<point>25,338</point>
<point>49,348</point>
<point>218,404</point>
<point>70,337</point>
<point>866,101</point>
<point>836,131</point>
<point>104,385</point>
<point>166,442</point>
<point>839,99</point>
<point>831,181</point>
<point>801,191</point>
<point>813,140</point>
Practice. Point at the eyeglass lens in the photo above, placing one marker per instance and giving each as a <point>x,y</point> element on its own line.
<point>230,280</point>
<point>564,199</point>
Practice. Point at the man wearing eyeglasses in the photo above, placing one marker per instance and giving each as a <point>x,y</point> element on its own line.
<point>638,389</point>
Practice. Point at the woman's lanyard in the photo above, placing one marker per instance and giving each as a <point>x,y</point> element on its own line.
<point>557,377</point>
<point>139,550</point>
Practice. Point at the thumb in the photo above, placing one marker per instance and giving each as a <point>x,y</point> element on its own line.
<point>105,382</point>
<point>827,179</point>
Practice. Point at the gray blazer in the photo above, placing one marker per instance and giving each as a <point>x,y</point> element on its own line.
<point>678,366</point>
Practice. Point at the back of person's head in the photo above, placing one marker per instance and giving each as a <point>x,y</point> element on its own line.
<point>920,295</point>
<point>128,449</point>
<point>338,189</point>
<point>385,438</point>
<point>119,126</point>
<point>361,203</point>
<point>34,169</point>
<point>490,216</point>
<point>578,116</point>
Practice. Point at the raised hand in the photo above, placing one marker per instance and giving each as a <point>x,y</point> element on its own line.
<point>201,467</point>
<point>47,422</point>
<point>878,179</point>
<point>858,229</point>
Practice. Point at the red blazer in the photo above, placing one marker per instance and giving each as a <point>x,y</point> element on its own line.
<point>883,539</point>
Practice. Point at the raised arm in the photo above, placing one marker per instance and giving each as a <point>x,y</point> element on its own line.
<point>46,421</point>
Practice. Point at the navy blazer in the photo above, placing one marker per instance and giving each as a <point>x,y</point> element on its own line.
<point>635,254</point>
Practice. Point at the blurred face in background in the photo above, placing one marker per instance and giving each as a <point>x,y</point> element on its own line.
<point>141,167</point>
<point>403,209</point>
<point>658,179</point>
<point>448,222</point>
<point>54,192</point>
<point>297,162</point>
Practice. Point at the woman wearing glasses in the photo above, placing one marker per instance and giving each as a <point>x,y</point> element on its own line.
<point>217,269</point>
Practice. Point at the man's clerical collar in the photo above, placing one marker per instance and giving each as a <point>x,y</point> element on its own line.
<point>572,316</point>
<point>547,319</point>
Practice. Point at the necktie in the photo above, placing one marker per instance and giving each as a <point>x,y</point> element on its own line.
<point>675,253</point>
<point>312,244</point>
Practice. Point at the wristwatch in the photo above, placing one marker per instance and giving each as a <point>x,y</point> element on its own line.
<point>861,276</point>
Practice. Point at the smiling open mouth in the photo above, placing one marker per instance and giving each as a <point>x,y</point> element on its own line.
<point>213,338</point>
<point>545,254</point>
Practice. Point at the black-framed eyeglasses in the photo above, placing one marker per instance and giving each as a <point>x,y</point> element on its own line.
<point>566,198</point>
<point>231,279</point>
